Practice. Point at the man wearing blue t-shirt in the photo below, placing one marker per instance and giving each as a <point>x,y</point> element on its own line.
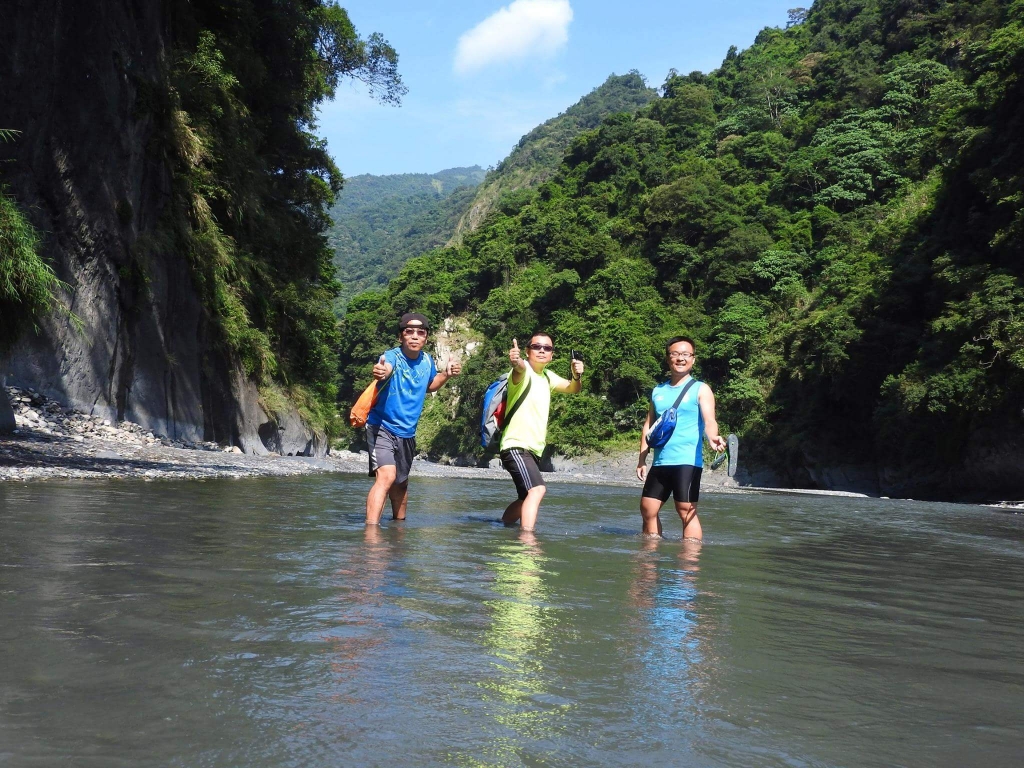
<point>407,373</point>
<point>678,464</point>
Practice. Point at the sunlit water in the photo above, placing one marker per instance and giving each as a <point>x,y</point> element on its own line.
<point>256,623</point>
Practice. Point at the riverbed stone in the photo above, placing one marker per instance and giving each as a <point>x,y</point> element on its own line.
<point>7,422</point>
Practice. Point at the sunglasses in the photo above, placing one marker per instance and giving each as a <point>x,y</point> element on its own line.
<point>542,348</point>
<point>414,332</point>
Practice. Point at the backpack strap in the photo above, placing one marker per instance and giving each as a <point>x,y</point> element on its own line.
<point>682,394</point>
<point>517,403</point>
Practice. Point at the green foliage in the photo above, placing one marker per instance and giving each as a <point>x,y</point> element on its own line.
<point>538,154</point>
<point>27,284</point>
<point>252,183</point>
<point>380,222</point>
<point>836,215</point>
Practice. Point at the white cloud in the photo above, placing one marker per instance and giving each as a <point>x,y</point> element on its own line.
<point>525,28</point>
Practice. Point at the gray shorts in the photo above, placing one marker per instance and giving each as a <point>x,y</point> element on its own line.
<point>388,450</point>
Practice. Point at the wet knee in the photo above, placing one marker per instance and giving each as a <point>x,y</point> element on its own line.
<point>686,511</point>
<point>385,476</point>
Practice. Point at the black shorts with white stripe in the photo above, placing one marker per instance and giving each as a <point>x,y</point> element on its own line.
<point>522,465</point>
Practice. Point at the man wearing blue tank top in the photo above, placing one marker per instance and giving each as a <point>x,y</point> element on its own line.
<point>407,373</point>
<point>678,464</point>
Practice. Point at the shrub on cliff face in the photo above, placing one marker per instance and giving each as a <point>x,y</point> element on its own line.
<point>253,183</point>
<point>27,284</point>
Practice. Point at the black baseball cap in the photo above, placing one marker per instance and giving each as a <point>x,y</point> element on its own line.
<point>413,318</point>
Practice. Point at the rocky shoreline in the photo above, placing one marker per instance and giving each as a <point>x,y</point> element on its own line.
<point>51,442</point>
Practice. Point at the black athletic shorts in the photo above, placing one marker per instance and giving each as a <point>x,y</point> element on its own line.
<point>522,465</point>
<point>681,480</point>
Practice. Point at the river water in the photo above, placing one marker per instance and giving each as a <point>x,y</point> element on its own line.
<point>256,623</point>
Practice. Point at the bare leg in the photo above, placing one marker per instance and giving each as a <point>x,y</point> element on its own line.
<point>379,493</point>
<point>513,512</point>
<point>649,509</point>
<point>691,523</point>
<point>531,506</point>
<point>399,495</point>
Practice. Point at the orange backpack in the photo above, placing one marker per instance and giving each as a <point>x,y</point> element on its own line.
<point>364,404</point>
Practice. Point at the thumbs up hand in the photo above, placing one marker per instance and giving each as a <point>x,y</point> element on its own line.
<point>514,357</point>
<point>381,370</point>
<point>453,367</point>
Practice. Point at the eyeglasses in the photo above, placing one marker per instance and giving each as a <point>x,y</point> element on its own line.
<point>414,332</point>
<point>542,348</point>
<point>680,355</point>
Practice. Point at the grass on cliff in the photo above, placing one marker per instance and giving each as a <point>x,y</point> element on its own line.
<point>28,285</point>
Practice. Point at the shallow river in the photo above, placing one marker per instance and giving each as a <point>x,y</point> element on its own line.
<point>256,623</point>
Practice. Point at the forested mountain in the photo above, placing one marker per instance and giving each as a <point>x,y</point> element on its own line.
<point>836,214</point>
<point>537,156</point>
<point>380,222</point>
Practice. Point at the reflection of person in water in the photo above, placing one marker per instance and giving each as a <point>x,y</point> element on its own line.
<point>362,582</point>
<point>665,596</point>
<point>518,636</point>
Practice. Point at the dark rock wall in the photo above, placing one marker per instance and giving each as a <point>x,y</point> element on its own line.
<point>7,422</point>
<point>89,171</point>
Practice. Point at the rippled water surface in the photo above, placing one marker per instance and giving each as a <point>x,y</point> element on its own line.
<point>256,623</point>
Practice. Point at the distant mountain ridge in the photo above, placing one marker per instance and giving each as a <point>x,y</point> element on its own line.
<point>380,222</point>
<point>538,154</point>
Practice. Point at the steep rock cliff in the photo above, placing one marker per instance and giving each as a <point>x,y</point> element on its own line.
<point>89,172</point>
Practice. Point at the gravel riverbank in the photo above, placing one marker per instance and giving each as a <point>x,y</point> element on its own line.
<point>54,442</point>
<point>51,442</point>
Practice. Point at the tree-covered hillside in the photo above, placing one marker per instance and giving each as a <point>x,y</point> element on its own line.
<point>380,222</point>
<point>538,154</point>
<point>836,214</point>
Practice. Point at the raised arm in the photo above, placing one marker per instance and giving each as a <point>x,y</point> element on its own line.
<point>441,378</point>
<point>575,384</point>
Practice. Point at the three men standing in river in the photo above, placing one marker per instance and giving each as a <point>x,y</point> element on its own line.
<point>407,374</point>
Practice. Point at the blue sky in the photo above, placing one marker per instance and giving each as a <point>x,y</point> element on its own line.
<point>481,74</point>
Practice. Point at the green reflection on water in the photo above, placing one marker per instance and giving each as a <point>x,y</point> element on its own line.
<point>520,637</point>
